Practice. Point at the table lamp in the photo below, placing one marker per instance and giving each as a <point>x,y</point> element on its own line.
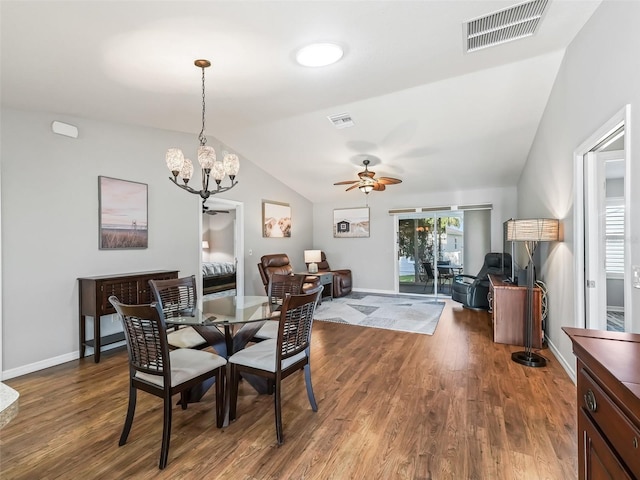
<point>312,257</point>
<point>531,232</point>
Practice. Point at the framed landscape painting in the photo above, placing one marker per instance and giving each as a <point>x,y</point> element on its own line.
<point>351,222</point>
<point>276,219</point>
<point>122,214</point>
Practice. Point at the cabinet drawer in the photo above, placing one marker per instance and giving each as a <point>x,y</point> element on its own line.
<point>125,290</point>
<point>597,460</point>
<point>621,433</point>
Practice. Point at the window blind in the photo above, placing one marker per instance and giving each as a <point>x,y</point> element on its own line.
<point>614,228</point>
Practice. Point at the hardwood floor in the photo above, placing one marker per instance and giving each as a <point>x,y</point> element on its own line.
<point>391,405</point>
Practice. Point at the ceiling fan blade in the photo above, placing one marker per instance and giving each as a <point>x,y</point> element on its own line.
<point>346,182</point>
<point>389,180</point>
<point>378,187</point>
<point>352,187</point>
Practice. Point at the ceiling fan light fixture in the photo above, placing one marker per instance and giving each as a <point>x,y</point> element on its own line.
<point>319,54</point>
<point>366,188</point>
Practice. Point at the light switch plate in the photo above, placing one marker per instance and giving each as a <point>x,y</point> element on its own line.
<point>636,276</point>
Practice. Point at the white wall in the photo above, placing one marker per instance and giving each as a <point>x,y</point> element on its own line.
<point>218,230</point>
<point>50,224</point>
<point>372,259</point>
<point>600,74</point>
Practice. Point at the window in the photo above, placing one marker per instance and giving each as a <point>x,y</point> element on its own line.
<point>614,228</point>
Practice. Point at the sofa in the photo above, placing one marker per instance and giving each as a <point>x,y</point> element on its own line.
<point>279,263</point>
<point>473,291</point>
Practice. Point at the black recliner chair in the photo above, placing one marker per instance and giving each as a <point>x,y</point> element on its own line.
<point>472,292</point>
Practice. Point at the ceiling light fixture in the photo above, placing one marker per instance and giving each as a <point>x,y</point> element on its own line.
<point>183,167</point>
<point>319,54</point>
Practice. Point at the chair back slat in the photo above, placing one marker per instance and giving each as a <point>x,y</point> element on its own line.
<point>146,337</point>
<point>281,285</point>
<point>296,321</point>
<point>176,296</point>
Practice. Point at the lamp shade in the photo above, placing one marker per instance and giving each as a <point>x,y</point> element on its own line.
<point>205,244</point>
<point>533,230</point>
<point>312,256</point>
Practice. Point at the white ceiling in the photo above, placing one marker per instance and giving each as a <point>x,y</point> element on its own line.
<point>424,111</point>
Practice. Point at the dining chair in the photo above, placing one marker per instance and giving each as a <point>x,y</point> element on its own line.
<point>277,358</point>
<point>162,372</point>
<point>279,286</point>
<point>445,276</point>
<point>428,274</point>
<point>179,297</point>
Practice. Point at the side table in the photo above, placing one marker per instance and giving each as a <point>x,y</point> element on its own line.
<point>326,280</point>
<point>94,293</point>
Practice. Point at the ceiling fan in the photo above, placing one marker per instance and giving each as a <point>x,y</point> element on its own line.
<point>367,181</point>
<point>209,211</point>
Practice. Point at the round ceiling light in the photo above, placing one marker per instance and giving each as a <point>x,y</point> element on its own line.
<point>319,54</point>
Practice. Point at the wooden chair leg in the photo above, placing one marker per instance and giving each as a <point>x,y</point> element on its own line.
<point>166,432</point>
<point>307,381</point>
<point>278,406</point>
<point>133,392</point>
<point>220,388</point>
<point>233,398</point>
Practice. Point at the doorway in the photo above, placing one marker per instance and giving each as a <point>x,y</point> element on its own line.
<point>602,238</point>
<point>223,233</point>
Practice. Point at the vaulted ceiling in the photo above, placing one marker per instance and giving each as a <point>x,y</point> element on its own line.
<point>423,109</point>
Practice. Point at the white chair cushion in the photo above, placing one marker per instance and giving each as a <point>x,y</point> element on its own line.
<point>268,330</point>
<point>263,356</point>
<point>185,365</point>
<point>185,337</point>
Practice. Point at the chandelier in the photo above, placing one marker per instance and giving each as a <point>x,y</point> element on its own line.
<point>210,165</point>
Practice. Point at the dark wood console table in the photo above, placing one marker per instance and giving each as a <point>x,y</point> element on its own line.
<point>94,293</point>
<point>508,305</point>
<point>608,389</point>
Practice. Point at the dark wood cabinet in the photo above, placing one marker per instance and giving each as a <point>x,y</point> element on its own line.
<point>608,401</point>
<point>94,293</point>
<point>508,304</point>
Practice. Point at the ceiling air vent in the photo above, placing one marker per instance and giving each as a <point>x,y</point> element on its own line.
<point>341,120</point>
<point>503,26</point>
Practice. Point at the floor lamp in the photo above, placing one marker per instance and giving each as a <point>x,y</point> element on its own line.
<point>531,232</point>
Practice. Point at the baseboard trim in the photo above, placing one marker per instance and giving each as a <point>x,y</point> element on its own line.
<point>568,367</point>
<point>53,361</point>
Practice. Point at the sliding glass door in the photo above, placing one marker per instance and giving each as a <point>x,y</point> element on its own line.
<point>430,251</point>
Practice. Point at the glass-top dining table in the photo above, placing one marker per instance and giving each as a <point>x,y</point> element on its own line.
<point>228,324</point>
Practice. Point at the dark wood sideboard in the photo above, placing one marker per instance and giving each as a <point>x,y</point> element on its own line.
<point>508,312</point>
<point>94,293</point>
<point>608,389</point>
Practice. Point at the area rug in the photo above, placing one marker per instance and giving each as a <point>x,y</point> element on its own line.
<point>391,312</point>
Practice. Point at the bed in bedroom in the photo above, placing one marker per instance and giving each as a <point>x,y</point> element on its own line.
<point>218,276</point>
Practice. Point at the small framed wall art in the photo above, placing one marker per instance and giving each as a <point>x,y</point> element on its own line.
<point>276,219</point>
<point>351,222</point>
<point>123,212</point>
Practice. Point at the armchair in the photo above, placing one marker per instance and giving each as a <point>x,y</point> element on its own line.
<point>341,278</point>
<point>279,263</point>
<point>472,291</point>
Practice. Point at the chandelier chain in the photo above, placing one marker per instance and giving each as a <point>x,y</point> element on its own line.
<point>202,137</point>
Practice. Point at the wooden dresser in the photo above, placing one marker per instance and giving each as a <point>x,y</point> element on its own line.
<point>130,288</point>
<point>608,389</point>
<point>508,302</point>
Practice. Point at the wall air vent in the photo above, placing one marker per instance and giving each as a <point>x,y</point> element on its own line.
<point>341,120</point>
<point>503,26</point>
